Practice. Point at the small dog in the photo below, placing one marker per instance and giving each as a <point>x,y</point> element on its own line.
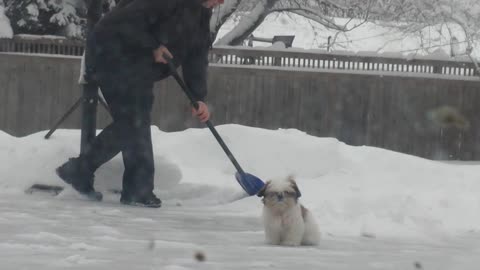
<point>286,221</point>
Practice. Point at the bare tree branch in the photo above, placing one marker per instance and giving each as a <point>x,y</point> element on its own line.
<point>248,23</point>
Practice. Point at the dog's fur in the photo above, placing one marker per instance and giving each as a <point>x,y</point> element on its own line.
<point>286,221</point>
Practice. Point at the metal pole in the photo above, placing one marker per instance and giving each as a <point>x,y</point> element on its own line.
<point>90,89</point>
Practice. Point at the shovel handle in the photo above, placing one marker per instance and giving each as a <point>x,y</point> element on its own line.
<point>209,124</point>
<point>224,147</point>
<point>182,84</point>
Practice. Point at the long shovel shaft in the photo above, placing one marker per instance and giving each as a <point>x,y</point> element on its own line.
<point>209,124</point>
<point>184,87</point>
<point>224,147</point>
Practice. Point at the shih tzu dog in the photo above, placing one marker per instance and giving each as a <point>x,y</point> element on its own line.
<point>286,221</point>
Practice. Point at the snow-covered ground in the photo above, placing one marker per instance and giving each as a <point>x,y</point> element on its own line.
<point>376,209</point>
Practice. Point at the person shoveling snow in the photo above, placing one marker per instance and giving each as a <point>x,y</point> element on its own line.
<point>129,56</point>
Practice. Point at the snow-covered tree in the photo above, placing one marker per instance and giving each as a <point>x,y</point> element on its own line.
<point>417,17</point>
<point>67,17</point>
<point>249,14</point>
<point>42,17</point>
<point>5,28</point>
<point>436,22</point>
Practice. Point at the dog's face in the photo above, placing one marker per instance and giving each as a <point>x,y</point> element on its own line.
<point>280,194</point>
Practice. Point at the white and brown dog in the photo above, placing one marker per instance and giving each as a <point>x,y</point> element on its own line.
<point>286,221</point>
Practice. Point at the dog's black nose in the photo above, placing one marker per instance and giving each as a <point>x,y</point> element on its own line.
<point>280,196</point>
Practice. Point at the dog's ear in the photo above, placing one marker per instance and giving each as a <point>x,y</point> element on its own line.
<point>293,183</point>
<point>261,193</point>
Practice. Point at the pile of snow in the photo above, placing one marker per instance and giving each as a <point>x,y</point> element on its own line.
<point>352,191</point>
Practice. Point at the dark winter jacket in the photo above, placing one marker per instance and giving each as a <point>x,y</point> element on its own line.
<point>126,37</point>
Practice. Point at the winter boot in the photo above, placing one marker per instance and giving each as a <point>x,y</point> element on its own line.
<point>149,200</point>
<point>76,173</point>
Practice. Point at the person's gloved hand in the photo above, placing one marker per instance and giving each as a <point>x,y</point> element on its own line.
<point>202,113</point>
<point>159,54</point>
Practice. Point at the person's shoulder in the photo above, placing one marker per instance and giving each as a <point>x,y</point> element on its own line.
<point>156,3</point>
<point>180,3</point>
<point>192,3</point>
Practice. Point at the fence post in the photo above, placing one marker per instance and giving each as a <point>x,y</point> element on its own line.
<point>437,69</point>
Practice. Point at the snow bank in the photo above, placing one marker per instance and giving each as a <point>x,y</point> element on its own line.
<point>351,190</point>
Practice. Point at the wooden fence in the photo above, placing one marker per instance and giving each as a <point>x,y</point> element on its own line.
<point>289,58</point>
<point>42,45</point>
<point>389,110</point>
<point>341,61</point>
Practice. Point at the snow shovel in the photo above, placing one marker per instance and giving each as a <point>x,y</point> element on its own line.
<point>250,183</point>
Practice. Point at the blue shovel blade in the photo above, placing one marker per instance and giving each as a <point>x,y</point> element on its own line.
<point>250,183</point>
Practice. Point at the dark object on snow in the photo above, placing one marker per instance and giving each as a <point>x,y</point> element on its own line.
<point>250,183</point>
<point>151,244</point>
<point>54,190</point>
<point>418,265</point>
<point>368,235</point>
<point>200,256</point>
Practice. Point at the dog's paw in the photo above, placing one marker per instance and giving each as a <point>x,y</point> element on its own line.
<point>290,243</point>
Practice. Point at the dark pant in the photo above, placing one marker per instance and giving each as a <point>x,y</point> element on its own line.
<point>130,100</point>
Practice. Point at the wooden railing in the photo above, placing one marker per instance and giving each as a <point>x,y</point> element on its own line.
<point>42,45</point>
<point>341,61</point>
<point>288,58</point>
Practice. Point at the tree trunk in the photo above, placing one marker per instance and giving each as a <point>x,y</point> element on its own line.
<point>221,15</point>
<point>248,23</point>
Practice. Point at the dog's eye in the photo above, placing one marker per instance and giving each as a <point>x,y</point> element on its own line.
<point>290,194</point>
<point>270,194</point>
